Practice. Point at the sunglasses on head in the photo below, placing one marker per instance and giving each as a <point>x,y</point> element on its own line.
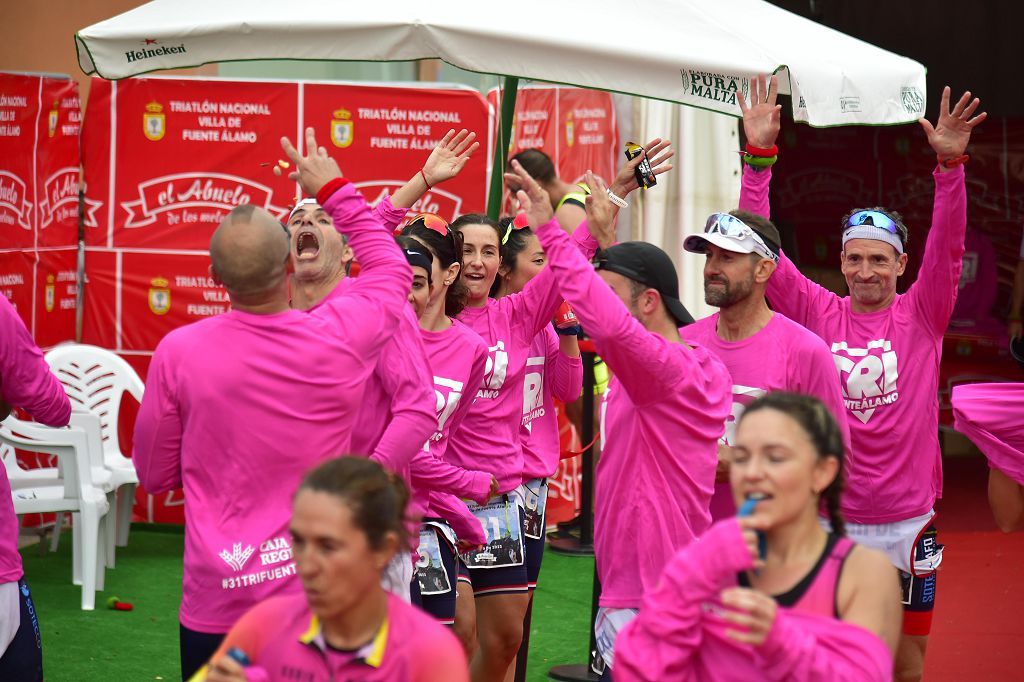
<point>732,227</point>
<point>874,219</point>
<point>433,222</point>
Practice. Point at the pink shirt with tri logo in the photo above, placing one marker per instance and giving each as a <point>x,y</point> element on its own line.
<point>284,641</point>
<point>239,406</point>
<point>26,382</point>
<point>489,439</point>
<point>783,356</point>
<point>550,374</point>
<point>888,361</point>
<point>664,412</point>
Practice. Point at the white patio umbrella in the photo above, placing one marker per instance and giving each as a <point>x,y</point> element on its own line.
<point>695,52</point>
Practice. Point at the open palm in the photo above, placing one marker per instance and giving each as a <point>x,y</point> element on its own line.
<point>949,137</point>
<point>449,156</point>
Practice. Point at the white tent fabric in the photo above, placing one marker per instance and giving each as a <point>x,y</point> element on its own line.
<point>693,52</point>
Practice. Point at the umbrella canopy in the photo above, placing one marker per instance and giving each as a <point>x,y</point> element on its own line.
<point>693,52</point>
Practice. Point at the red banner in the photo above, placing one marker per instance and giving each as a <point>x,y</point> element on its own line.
<point>39,162</point>
<point>165,159</point>
<point>576,128</point>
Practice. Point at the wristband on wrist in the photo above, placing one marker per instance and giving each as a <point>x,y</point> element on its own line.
<point>574,330</point>
<point>424,176</point>
<point>762,151</point>
<point>759,161</point>
<point>329,188</point>
<point>954,162</point>
<point>616,199</point>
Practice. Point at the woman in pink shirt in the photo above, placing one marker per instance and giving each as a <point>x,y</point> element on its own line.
<point>771,595</point>
<point>489,438</point>
<point>347,522</point>
<point>458,358</point>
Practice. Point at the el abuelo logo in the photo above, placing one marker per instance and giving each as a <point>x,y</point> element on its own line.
<point>172,194</point>
<point>716,87</point>
<point>14,210</point>
<point>342,128</point>
<point>60,199</point>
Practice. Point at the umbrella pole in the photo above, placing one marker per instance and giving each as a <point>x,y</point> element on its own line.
<point>502,141</point>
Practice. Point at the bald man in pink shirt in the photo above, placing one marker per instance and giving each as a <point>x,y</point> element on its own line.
<point>239,405</point>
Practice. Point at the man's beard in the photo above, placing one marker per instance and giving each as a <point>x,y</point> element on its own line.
<point>728,294</point>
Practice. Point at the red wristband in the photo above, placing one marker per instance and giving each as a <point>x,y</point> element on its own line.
<point>330,188</point>
<point>422,175</point>
<point>761,151</point>
<point>954,162</point>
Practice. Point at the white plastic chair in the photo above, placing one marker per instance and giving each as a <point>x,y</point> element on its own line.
<point>73,492</point>
<point>95,380</point>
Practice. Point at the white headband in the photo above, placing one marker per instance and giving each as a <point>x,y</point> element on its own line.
<point>302,202</point>
<point>872,232</point>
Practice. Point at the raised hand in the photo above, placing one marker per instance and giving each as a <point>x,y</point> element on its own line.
<point>658,152</point>
<point>533,199</point>
<point>314,170</point>
<point>762,118</point>
<point>601,211</point>
<point>949,137</point>
<point>449,156</point>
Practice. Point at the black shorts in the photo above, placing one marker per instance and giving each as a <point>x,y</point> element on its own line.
<point>442,606</point>
<point>23,658</point>
<point>500,580</point>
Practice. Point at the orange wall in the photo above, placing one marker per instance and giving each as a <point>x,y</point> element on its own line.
<point>38,35</point>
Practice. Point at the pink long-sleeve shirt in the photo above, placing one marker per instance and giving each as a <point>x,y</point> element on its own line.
<point>458,358</point>
<point>550,374</point>
<point>663,414</point>
<point>680,634</point>
<point>26,382</point>
<point>992,416</point>
<point>888,361</point>
<point>783,356</point>
<point>489,438</point>
<point>239,406</point>
<point>285,641</point>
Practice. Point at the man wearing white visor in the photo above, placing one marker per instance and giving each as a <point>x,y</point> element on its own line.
<point>887,348</point>
<point>763,350</point>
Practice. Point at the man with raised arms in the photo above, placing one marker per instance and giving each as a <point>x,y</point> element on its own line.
<point>887,348</point>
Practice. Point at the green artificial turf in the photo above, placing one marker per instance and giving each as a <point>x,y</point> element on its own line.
<point>143,644</point>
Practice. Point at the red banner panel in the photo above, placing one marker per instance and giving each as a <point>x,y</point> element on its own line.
<point>16,281</point>
<point>381,137</point>
<point>576,128</point>
<point>19,111</point>
<point>57,163</point>
<point>56,295</point>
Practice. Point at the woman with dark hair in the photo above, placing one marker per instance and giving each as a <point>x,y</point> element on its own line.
<point>490,436</point>
<point>772,594</point>
<point>457,357</point>
<point>348,521</point>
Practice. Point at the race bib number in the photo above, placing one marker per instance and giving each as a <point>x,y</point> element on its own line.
<point>430,571</point>
<point>504,540</point>
<point>536,501</point>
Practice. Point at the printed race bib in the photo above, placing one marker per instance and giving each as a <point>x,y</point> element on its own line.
<point>430,572</point>
<point>504,540</point>
<point>535,502</point>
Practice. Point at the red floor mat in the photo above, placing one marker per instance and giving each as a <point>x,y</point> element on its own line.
<point>978,632</point>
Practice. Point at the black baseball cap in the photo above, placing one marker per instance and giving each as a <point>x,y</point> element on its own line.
<point>648,265</point>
